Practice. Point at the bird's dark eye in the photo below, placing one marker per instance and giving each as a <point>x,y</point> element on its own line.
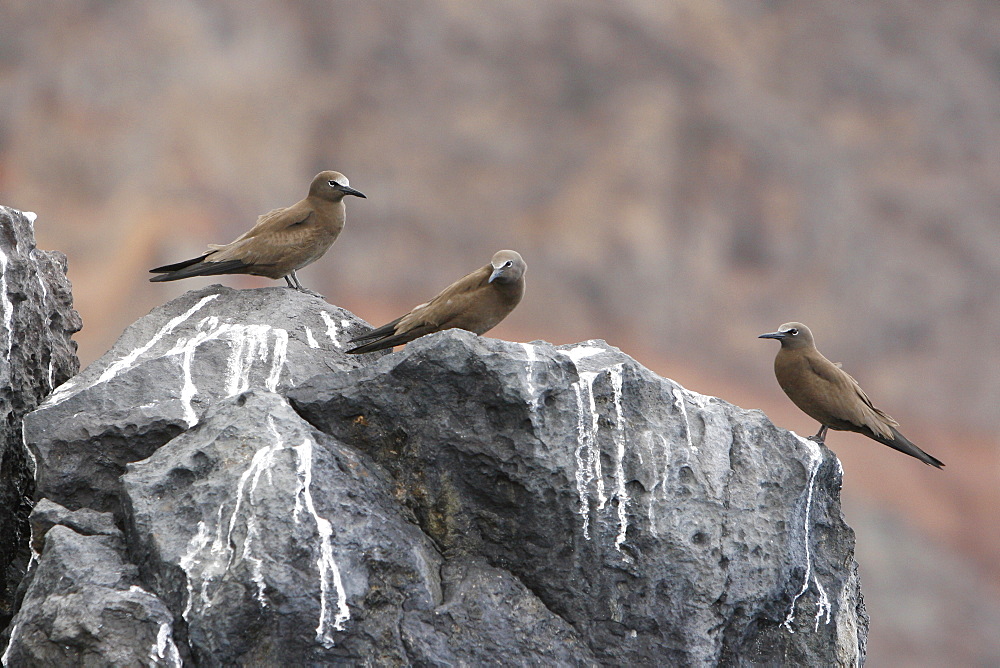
<point>333,184</point>
<point>793,331</point>
<point>507,263</point>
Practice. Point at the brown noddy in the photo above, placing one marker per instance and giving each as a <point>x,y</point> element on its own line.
<point>282,241</point>
<point>476,302</point>
<point>827,393</point>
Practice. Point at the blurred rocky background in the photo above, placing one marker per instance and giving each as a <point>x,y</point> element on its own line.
<point>680,177</point>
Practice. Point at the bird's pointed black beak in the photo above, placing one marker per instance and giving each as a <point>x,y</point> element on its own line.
<point>772,335</point>
<point>347,190</point>
<point>497,272</point>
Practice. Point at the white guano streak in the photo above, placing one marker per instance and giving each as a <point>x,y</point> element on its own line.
<point>823,605</point>
<point>588,456</point>
<point>199,541</point>
<point>310,339</point>
<point>69,388</point>
<point>331,327</point>
<point>7,305</point>
<point>263,461</point>
<point>679,393</point>
<point>10,643</point>
<point>532,357</point>
<point>250,346</point>
<point>621,492</point>
<point>329,573</point>
<point>165,649</point>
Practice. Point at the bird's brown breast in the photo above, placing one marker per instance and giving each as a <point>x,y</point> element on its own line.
<point>809,391</point>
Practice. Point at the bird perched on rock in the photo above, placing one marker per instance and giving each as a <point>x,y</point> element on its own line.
<point>825,392</point>
<point>281,242</point>
<point>476,302</point>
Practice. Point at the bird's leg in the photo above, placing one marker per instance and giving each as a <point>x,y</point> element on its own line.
<point>293,281</point>
<point>820,436</point>
<point>298,286</point>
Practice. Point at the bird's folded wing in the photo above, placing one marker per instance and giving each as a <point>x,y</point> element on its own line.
<point>848,401</point>
<point>457,299</point>
<point>266,249</point>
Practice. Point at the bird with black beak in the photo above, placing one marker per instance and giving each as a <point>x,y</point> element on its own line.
<point>828,394</point>
<point>476,302</point>
<point>281,242</point>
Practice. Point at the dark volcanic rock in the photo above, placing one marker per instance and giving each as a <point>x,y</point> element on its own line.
<point>275,543</point>
<point>37,322</point>
<point>663,525</point>
<point>85,607</point>
<point>465,501</point>
<point>166,369</point>
<point>47,514</point>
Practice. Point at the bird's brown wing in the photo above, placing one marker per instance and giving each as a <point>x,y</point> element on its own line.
<point>269,244</point>
<point>847,401</point>
<point>446,310</point>
<point>276,220</point>
<point>450,304</point>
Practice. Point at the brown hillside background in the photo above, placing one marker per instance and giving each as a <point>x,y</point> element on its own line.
<point>680,176</point>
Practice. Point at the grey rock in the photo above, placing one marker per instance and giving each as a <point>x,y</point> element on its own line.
<point>275,543</point>
<point>464,501</point>
<point>488,617</point>
<point>47,514</point>
<point>663,525</point>
<point>37,322</point>
<point>166,369</point>
<point>86,607</point>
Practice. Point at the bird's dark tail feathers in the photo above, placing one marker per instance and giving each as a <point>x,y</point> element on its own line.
<point>380,344</point>
<point>178,265</point>
<point>903,444</point>
<point>196,267</point>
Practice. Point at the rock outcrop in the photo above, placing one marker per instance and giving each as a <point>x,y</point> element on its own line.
<point>37,322</point>
<point>246,494</point>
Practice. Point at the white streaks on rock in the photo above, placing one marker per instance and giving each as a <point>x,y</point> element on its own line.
<point>588,454</point>
<point>165,649</point>
<point>331,327</point>
<point>250,346</point>
<point>329,573</point>
<point>30,216</point>
<point>10,642</point>
<point>679,395</point>
<point>532,357</point>
<point>69,389</point>
<point>193,558</point>
<point>207,559</point>
<point>127,361</point>
<point>27,451</point>
<point>619,435</point>
<point>578,353</point>
<point>263,460</point>
<point>7,306</point>
<point>310,339</point>
<point>823,605</point>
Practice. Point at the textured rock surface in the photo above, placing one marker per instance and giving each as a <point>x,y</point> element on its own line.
<point>279,544</point>
<point>662,524</point>
<point>462,501</point>
<point>85,607</point>
<point>36,322</point>
<point>166,369</point>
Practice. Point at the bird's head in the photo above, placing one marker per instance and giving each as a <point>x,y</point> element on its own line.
<point>791,335</point>
<point>332,186</point>
<point>508,267</point>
